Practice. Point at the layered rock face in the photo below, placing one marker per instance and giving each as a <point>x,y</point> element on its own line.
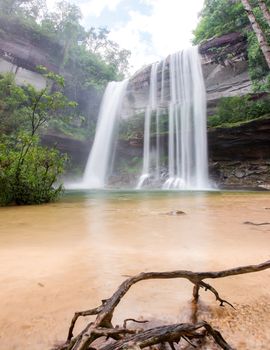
<point>21,52</point>
<point>224,66</point>
<point>77,150</point>
<point>241,155</point>
<point>238,155</point>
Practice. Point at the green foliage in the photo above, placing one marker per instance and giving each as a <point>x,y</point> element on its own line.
<point>220,17</point>
<point>88,59</point>
<point>238,109</point>
<point>12,104</point>
<point>28,171</point>
<point>64,24</point>
<point>25,108</point>
<point>258,68</point>
<point>130,166</point>
<point>132,128</point>
<point>73,128</point>
<point>45,105</point>
<point>88,70</point>
<point>27,8</point>
<point>97,41</point>
<point>84,47</point>
<point>257,64</point>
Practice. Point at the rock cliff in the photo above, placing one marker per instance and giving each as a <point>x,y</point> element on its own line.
<point>224,65</point>
<point>238,155</point>
<point>22,50</point>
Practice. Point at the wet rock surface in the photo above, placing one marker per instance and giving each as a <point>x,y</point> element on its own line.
<point>239,156</point>
<point>243,174</point>
<point>248,141</point>
<point>77,150</point>
<point>225,69</point>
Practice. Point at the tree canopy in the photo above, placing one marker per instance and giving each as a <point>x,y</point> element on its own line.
<point>63,25</point>
<point>28,171</point>
<point>87,58</point>
<point>220,17</point>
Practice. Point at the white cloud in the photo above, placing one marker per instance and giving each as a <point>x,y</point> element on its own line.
<point>169,26</point>
<point>91,7</point>
<point>95,7</point>
<point>129,36</point>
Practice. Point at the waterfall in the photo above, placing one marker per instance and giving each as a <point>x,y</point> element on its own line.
<point>98,164</point>
<point>152,106</point>
<point>187,140</point>
<point>181,163</point>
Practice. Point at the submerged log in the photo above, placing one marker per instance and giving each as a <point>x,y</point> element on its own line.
<point>126,338</point>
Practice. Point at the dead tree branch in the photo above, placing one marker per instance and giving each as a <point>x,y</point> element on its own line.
<point>170,334</point>
<point>138,339</point>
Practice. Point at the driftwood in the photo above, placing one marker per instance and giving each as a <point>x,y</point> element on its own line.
<point>126,338</point>
<point>256,224</point>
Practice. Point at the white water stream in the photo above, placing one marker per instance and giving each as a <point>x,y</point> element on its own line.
<point>152,106</point>
<point>186,151</point>
<point>187,140</point>
<point>98,164</point>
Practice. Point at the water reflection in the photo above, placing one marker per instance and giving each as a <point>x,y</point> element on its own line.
<point>67,256</point>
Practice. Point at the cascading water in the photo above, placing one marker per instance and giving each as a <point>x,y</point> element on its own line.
<point>152,106</point>
<point>183,104</point>
<point>187,143</point>
<point>187,122</point>
<point>97,167</point>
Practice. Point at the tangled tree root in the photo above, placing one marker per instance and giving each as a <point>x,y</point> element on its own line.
<point>126,338</point>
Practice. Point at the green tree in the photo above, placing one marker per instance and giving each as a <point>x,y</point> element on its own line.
<point>65,23</point>
<point>237,109</point>
<point>265,11</point>
<point>25,108</point>
<point>87,60</point>
<point>28,172</point>
<point>12,105</point>
<point>32,8</point>
<point>97,41</point>
<point>45,105</point>
<point>220,17</point>
<point>261,37</point>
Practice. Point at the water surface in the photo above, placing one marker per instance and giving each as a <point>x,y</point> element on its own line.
<point>63,257</point>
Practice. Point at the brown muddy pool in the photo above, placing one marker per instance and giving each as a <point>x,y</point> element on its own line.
<point>64,257</point>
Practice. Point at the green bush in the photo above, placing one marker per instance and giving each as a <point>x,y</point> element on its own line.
<point>220,17</point>
<point>238,109</point>
<point>28,172</point>
<point>133,127</point>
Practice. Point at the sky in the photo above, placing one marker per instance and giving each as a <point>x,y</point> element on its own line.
<point>150,29</point>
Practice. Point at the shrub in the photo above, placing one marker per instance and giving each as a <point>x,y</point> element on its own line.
<point>238,109</point>
<point>28,172</point>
